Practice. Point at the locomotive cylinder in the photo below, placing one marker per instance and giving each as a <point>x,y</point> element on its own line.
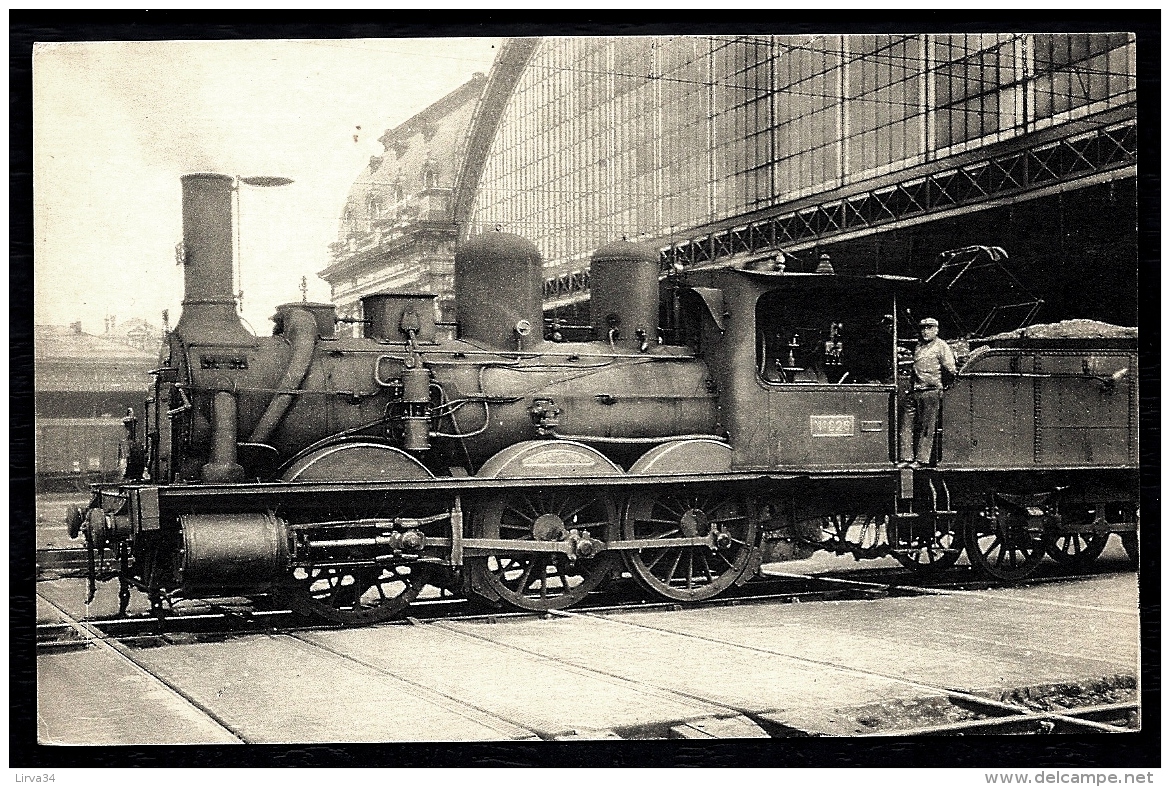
<point>209,306</point>
<point>623,301</point>
<point>498,278</point>
<point>232,553</point>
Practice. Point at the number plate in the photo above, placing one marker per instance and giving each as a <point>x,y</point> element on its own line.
<point>831,425</point>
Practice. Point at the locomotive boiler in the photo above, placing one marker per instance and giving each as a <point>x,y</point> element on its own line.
<point>341,475</point>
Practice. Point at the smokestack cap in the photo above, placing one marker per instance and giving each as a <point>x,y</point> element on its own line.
<point>206,176</point>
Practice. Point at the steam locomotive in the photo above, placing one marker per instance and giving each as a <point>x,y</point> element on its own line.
<point>343,475</point>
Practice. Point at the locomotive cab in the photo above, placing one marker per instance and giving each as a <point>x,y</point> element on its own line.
<point>807,364</point>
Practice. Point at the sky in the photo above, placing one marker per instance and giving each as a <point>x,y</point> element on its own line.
<point>115,124</point>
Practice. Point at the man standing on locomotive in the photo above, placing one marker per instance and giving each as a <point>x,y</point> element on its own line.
<point>933,360</point>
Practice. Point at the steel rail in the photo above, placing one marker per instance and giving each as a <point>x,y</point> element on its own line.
<point>458,704</point>
<point>770,588</point>
<point>953,694</point>
<point>1007,716</point>
<point>123,653</point>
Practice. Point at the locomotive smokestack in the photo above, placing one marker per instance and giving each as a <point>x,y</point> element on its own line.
<point>209,305</point>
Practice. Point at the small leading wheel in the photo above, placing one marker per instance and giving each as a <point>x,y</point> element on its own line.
<point>543,581</point>
<point>1002,547</point>
<point>932,554</point>
<point>1076,551</point>
<point>689,573</point>
<point>353,596</point>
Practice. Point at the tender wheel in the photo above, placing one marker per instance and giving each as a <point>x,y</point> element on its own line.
<point>542,581</point>
<point>353,596</point>
<point>1130,542</point>
<point>1076,551</point>
<point>928,555</point>
<point>1002,547</point>
<point>861,534</point>
<point>689,573</point>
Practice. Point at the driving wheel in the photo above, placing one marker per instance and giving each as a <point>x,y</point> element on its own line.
<point>540,581</point>
<point>689,572</point>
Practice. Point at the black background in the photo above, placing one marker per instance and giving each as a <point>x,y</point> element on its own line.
<point>1031,752</point>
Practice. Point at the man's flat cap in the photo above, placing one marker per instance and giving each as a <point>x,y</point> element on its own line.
<point>928,321</point>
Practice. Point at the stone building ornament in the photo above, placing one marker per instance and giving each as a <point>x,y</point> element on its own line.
<point>430,172</point>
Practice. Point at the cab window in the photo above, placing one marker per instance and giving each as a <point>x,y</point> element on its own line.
<point>829,338</point>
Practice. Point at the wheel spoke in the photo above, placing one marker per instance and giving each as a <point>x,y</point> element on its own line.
<point>579,509</point>
<point>674,566</point>
<point>706,567</point>
<point>532,508</point>
<point>523,517</point>
<point>994,543</point>
<point>525,576</point>
<point>661,554</point>
<point>564,575</point>
<point>1003,549</point>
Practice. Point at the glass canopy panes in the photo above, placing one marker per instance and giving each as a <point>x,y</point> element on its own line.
<point>654,137</point>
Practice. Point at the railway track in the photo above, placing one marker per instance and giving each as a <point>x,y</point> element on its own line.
<point>945,711</point>
<point>237,617</point>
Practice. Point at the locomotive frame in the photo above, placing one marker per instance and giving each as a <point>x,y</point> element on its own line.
<point>335,475</point>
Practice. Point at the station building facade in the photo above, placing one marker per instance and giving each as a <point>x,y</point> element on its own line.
<point>396,230</point>
<point>884,150</point>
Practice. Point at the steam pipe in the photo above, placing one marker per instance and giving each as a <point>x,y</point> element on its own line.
<point>223,467</point>
<point>301,329</point>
